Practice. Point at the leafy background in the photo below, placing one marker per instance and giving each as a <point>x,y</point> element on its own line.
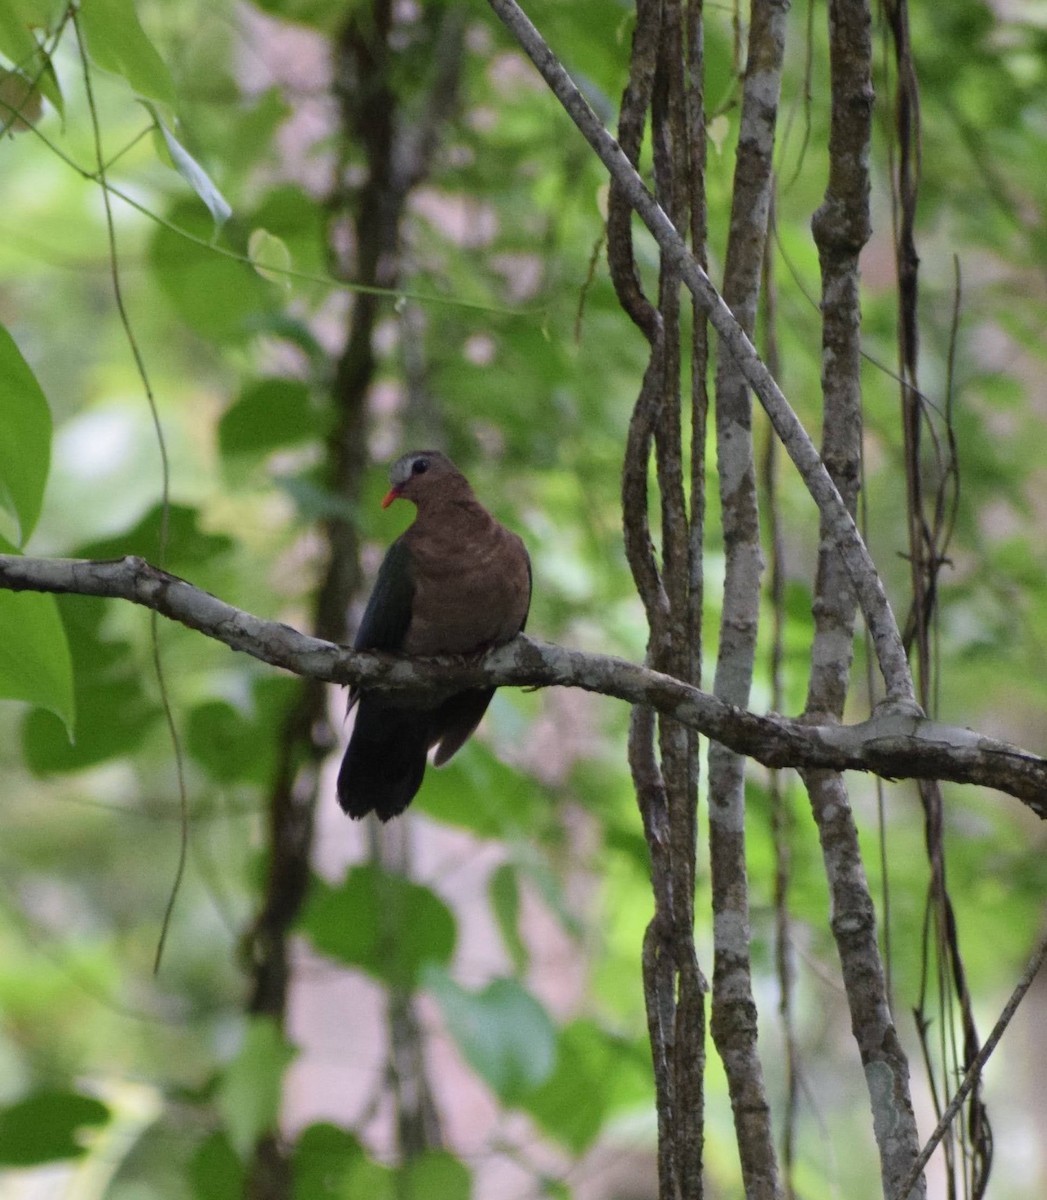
<point>521,922</point>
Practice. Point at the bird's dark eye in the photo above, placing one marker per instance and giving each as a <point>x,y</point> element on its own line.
<point>419,466</point>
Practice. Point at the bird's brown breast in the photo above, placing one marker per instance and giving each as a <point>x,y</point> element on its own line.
<point>471,581</point>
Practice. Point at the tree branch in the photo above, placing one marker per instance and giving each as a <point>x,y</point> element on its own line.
<point>894,743</point>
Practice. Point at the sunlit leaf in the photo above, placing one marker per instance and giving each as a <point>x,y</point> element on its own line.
<point>16,39</point>
<point>270,256</point>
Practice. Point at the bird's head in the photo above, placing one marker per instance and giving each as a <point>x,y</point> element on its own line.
<point>420,474</point>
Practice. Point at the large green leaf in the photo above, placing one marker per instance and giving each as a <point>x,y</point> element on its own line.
<point>35,664</point>
<point>117,42</point>
<point>503,1032</point>
<point>386,924</point>
<point>25,438</point>
<point>46,1127</point>
<point>113,710</point>
<point>250,1090</point>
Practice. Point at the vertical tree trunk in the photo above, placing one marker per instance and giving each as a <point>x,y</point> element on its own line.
<point>734,1017</point>
<point>841,227</point>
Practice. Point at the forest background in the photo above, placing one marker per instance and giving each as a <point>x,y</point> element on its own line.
<point>261,163</point>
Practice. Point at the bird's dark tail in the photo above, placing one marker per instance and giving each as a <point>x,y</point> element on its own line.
<point>385,759</point>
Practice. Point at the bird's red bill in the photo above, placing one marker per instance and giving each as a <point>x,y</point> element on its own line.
<point>391,495</point>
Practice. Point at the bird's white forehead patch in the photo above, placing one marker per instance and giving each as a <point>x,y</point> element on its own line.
<point>400,471</point>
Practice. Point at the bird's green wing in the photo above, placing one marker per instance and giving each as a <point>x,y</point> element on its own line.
<point>388,612</point>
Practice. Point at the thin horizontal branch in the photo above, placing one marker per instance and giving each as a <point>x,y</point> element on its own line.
<point>894,743</point>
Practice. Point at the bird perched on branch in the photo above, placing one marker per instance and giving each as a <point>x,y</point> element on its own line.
<point>456,582</point>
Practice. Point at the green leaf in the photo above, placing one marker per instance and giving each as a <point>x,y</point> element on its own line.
<point>386,924</point>
<point>25,439</point>
<point>46,1127</point>
<point>18,45</point>
<point>434,1175</point>
<point>188,546</point>
<point>330,1164</point>
<point>237,746</point>
<point>113,712</point>
<point>504,892</point>
<point>270,256</point>
<point>215,1172</point>
<point>35,663</point>
<point>117,42</point>
<point>18,18</point>
<point>194,174</point>
<point>503,1032</point>
<point>478,791</point>
<point>269,414</point>
<point>220,298</point>
<point>223,740</point>
<point>16,39</point>
<point>250,1090</point>
<point>595,1071</point>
